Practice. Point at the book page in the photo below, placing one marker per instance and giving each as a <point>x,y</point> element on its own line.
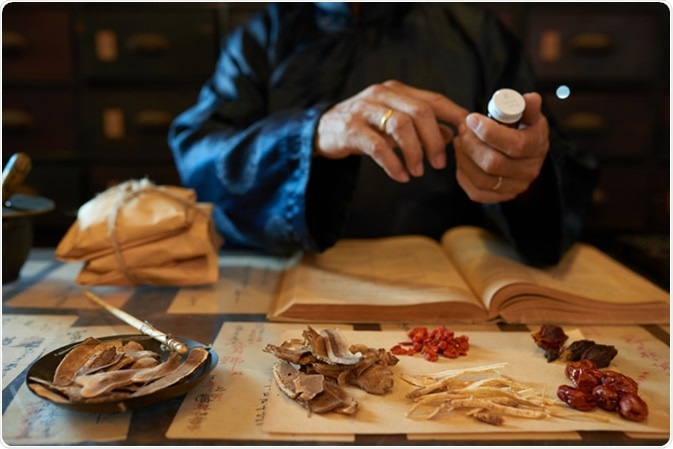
<point>490,265</point>
<point>395,271</point>
<point>485,262</point>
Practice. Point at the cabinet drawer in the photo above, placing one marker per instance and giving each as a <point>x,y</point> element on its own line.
<point>102,177</point>
<point>623,201</point>
<point>40,123</point>
<point>591,46</point>
<point>62,185</point>
<point>143,46</point>
<point>35,44</point>
<point>132,124</point>
<point>617,126</point>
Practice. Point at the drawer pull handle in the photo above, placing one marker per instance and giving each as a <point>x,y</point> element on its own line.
<point>153,120</point>
<point>13,43</point>
<point>599,197</point>
<point>149,44</point>
<point>583,123</point>
<point>16,121</point>
<point>591,43</point>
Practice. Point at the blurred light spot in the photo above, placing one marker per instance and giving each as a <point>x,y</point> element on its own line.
<point>562,92</point>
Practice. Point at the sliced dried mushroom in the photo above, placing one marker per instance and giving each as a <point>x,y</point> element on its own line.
<point>317,344</point>
<point>333,399</point>
<point>377,379</point>
<point>338,350</point>
<point>312,391</point>
<point>336,365</point>
<point>293,354</point>
<point>285,374</point>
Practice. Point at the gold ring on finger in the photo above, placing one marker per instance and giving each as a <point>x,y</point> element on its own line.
<point>384,120</point>
<point>497,184</point>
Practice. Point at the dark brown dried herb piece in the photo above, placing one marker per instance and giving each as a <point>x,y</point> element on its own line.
<point>602,355</point>
<point>551,339</point>
<point>576,349</point>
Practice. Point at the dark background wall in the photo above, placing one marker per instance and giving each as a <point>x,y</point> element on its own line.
<point>89,90</point>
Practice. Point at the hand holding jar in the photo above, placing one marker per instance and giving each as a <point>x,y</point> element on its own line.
<point>496,162</point>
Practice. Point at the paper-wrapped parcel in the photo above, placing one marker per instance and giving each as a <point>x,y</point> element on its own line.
<point>139,233</point>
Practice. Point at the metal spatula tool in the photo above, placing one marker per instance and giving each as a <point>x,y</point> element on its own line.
<point>143,326</point>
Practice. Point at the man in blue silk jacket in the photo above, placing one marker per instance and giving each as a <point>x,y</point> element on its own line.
<point>332,120</point>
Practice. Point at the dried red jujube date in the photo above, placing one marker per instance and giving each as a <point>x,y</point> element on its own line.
<point>586,379</point>
<point>632,407</point>
<point>619,382</point>
<point>572,367</point>
<point>577,399</point>
<point>606,397</point>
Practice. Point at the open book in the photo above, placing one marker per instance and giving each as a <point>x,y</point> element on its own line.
<point>472,276</point>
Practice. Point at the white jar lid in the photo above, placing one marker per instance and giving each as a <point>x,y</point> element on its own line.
<point>506,106</point>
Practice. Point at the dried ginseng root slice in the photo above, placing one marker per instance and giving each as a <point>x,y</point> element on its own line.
<point>99,383</point>
<point>55,393</point>
<point>196,358</point>
<point>74,360</point>
<point>48,393</point>
<point>104,356</point>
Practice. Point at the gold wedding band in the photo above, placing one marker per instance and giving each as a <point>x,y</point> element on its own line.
<point>497,184</point>
<point>384,120</point>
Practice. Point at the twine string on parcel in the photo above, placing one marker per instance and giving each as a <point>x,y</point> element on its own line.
<point>125,193</point>
<point>143,326</point>
<point>138,233</point>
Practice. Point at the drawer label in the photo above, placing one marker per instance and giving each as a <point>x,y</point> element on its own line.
<point>106,45</point>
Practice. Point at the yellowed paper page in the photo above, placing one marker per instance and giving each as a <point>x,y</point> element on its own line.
<point>31,420</point>
<point>489,265</point>
<point>525,363</point>
<point>231,403</point>
<point>246,284</point>
<point>396,271</point>
<point>58,291</point>
<point>25,338</point>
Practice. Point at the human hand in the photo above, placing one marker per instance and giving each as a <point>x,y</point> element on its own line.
<point>495,163</point>
<point>416,124</point>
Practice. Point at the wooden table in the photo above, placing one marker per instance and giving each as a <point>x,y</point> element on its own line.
<point>44,310</point>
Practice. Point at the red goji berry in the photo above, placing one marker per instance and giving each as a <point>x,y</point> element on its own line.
<point>398,350</point>
<point>439,341</point>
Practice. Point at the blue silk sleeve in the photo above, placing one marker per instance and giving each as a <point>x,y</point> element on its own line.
<point>251,162</point>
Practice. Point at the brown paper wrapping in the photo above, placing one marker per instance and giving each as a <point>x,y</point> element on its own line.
<point>139,233</point>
